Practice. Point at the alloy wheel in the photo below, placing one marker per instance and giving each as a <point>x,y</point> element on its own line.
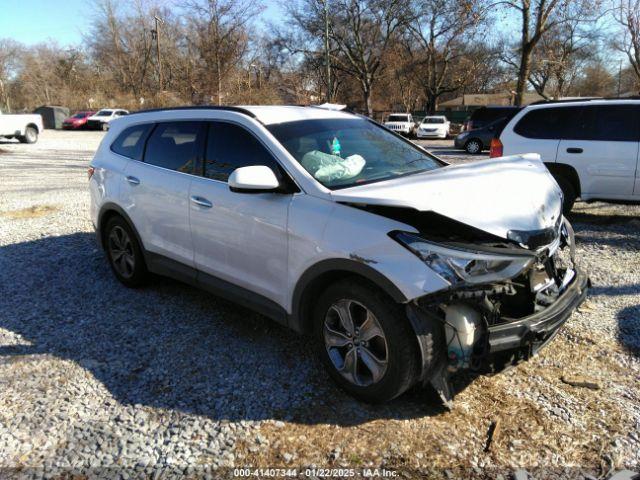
<point>355,342</point>
<point>121,252</point>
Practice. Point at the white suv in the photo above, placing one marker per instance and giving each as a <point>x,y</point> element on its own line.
<point>591,147</point>
<point>336,227</point>
<point>401,123</point>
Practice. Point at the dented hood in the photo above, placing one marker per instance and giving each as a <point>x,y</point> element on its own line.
<point>496,195</point>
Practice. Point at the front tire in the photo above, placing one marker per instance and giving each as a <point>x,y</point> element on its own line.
<point>365,341</point>
<point>473,146</point>
<point>124,253</point>
<point>105,127</point>
<point>568,192</point>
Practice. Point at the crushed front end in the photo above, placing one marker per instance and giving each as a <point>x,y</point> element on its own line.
<point>506,301</point>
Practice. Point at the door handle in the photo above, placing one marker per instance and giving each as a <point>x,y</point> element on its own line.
<point>203,202</point>
<point>133,180</point>
<point>574,150</point>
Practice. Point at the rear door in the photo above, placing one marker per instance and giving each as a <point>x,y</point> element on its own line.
<point>602,145</point>
<point>156,191</point>
<point>240,238</point>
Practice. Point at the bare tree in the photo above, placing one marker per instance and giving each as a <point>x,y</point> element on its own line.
<point>442,30</point>
<point>363,31</point>
<point>219,35</point>
<point>537,17</point>
<point>560,56</point>
<point>9,55</point>
<point>627,14</point>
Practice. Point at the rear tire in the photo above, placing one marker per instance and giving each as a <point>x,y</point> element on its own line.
<point>30,135</point>
<point>473,146</point>
<point>124,253</point>
<point>568,192</point>
<point>378,359</point>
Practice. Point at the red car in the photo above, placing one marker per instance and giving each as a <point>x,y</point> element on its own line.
<point>77,120</point>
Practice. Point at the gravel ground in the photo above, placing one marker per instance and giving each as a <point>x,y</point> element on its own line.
<point>100,379</point>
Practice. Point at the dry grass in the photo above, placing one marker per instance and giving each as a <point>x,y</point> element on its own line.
<point>553,425</point>
<point>36,211</point>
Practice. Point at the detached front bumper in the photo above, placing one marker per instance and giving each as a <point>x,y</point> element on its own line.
<point>527,335</point>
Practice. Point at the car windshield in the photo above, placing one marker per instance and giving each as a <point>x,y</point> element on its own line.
<point>433,120</point>
<point>104,113</point>
<point>80,115</point>
<point>398,118</point>
<point>342,153</point>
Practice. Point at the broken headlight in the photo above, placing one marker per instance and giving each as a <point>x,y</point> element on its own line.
<point>465,265</point>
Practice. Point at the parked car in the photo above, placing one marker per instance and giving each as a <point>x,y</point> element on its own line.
<point>590,147</point>
<point>24,127</point>
<point>485,115</point>
<point>434,127</point>
<point>371,249</point>
<point>401,123</point>
<point>77,121</point>
<point>100,121</point>
<point>479,139</point>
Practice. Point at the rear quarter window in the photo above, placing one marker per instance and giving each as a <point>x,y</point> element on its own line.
<point>130,143</point>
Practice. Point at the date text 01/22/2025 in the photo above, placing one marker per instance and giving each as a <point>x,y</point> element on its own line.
<point>316,472</point>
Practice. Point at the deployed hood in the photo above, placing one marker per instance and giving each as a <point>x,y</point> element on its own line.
<point>515,193</point>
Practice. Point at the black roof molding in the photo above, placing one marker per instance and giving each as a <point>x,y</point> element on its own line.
<point>241,110</point>
<point>586,99</point>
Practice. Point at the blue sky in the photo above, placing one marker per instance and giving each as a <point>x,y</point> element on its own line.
<point>61,20</point>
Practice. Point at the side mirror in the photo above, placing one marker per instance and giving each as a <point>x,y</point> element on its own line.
<point>253,179</point>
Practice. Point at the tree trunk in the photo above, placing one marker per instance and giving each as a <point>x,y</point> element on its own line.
<point>366,94</point>
<point>219,78</point>
<point>432,101</point>
<point>523,74</point>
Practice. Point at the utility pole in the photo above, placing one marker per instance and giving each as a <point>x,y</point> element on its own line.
<point>326,50</point>
<point>157,35</point>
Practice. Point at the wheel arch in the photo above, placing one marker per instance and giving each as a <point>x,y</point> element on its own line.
<point>108,211</point>
<point>33,125</point>
<point>568,172</point>
<point>322,274</point>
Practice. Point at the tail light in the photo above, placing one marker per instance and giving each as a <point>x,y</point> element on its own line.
<point>495,148</point>
<point>90,172</point>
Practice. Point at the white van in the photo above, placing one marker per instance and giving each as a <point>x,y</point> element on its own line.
<point>591,147</point>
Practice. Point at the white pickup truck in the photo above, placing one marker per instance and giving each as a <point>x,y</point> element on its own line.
<point>24,127</point>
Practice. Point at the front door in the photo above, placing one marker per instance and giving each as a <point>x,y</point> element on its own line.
<point>240,238</point>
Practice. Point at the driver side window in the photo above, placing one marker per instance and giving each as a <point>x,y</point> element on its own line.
<point>230,146</point>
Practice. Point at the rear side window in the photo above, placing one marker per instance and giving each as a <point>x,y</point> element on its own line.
<point>546,123</point>
<point>229,147</point>
<point>615,123</point>
<point>175,146</point>
<point>130,143</point>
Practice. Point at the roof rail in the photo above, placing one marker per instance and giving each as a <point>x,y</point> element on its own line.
<point>244,111</point>
<point>567,100</point>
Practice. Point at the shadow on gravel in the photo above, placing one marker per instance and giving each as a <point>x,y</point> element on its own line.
<point>168,345</point>
<point>629,329</point>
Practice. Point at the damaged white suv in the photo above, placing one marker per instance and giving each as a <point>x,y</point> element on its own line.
<point>404,269</point>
